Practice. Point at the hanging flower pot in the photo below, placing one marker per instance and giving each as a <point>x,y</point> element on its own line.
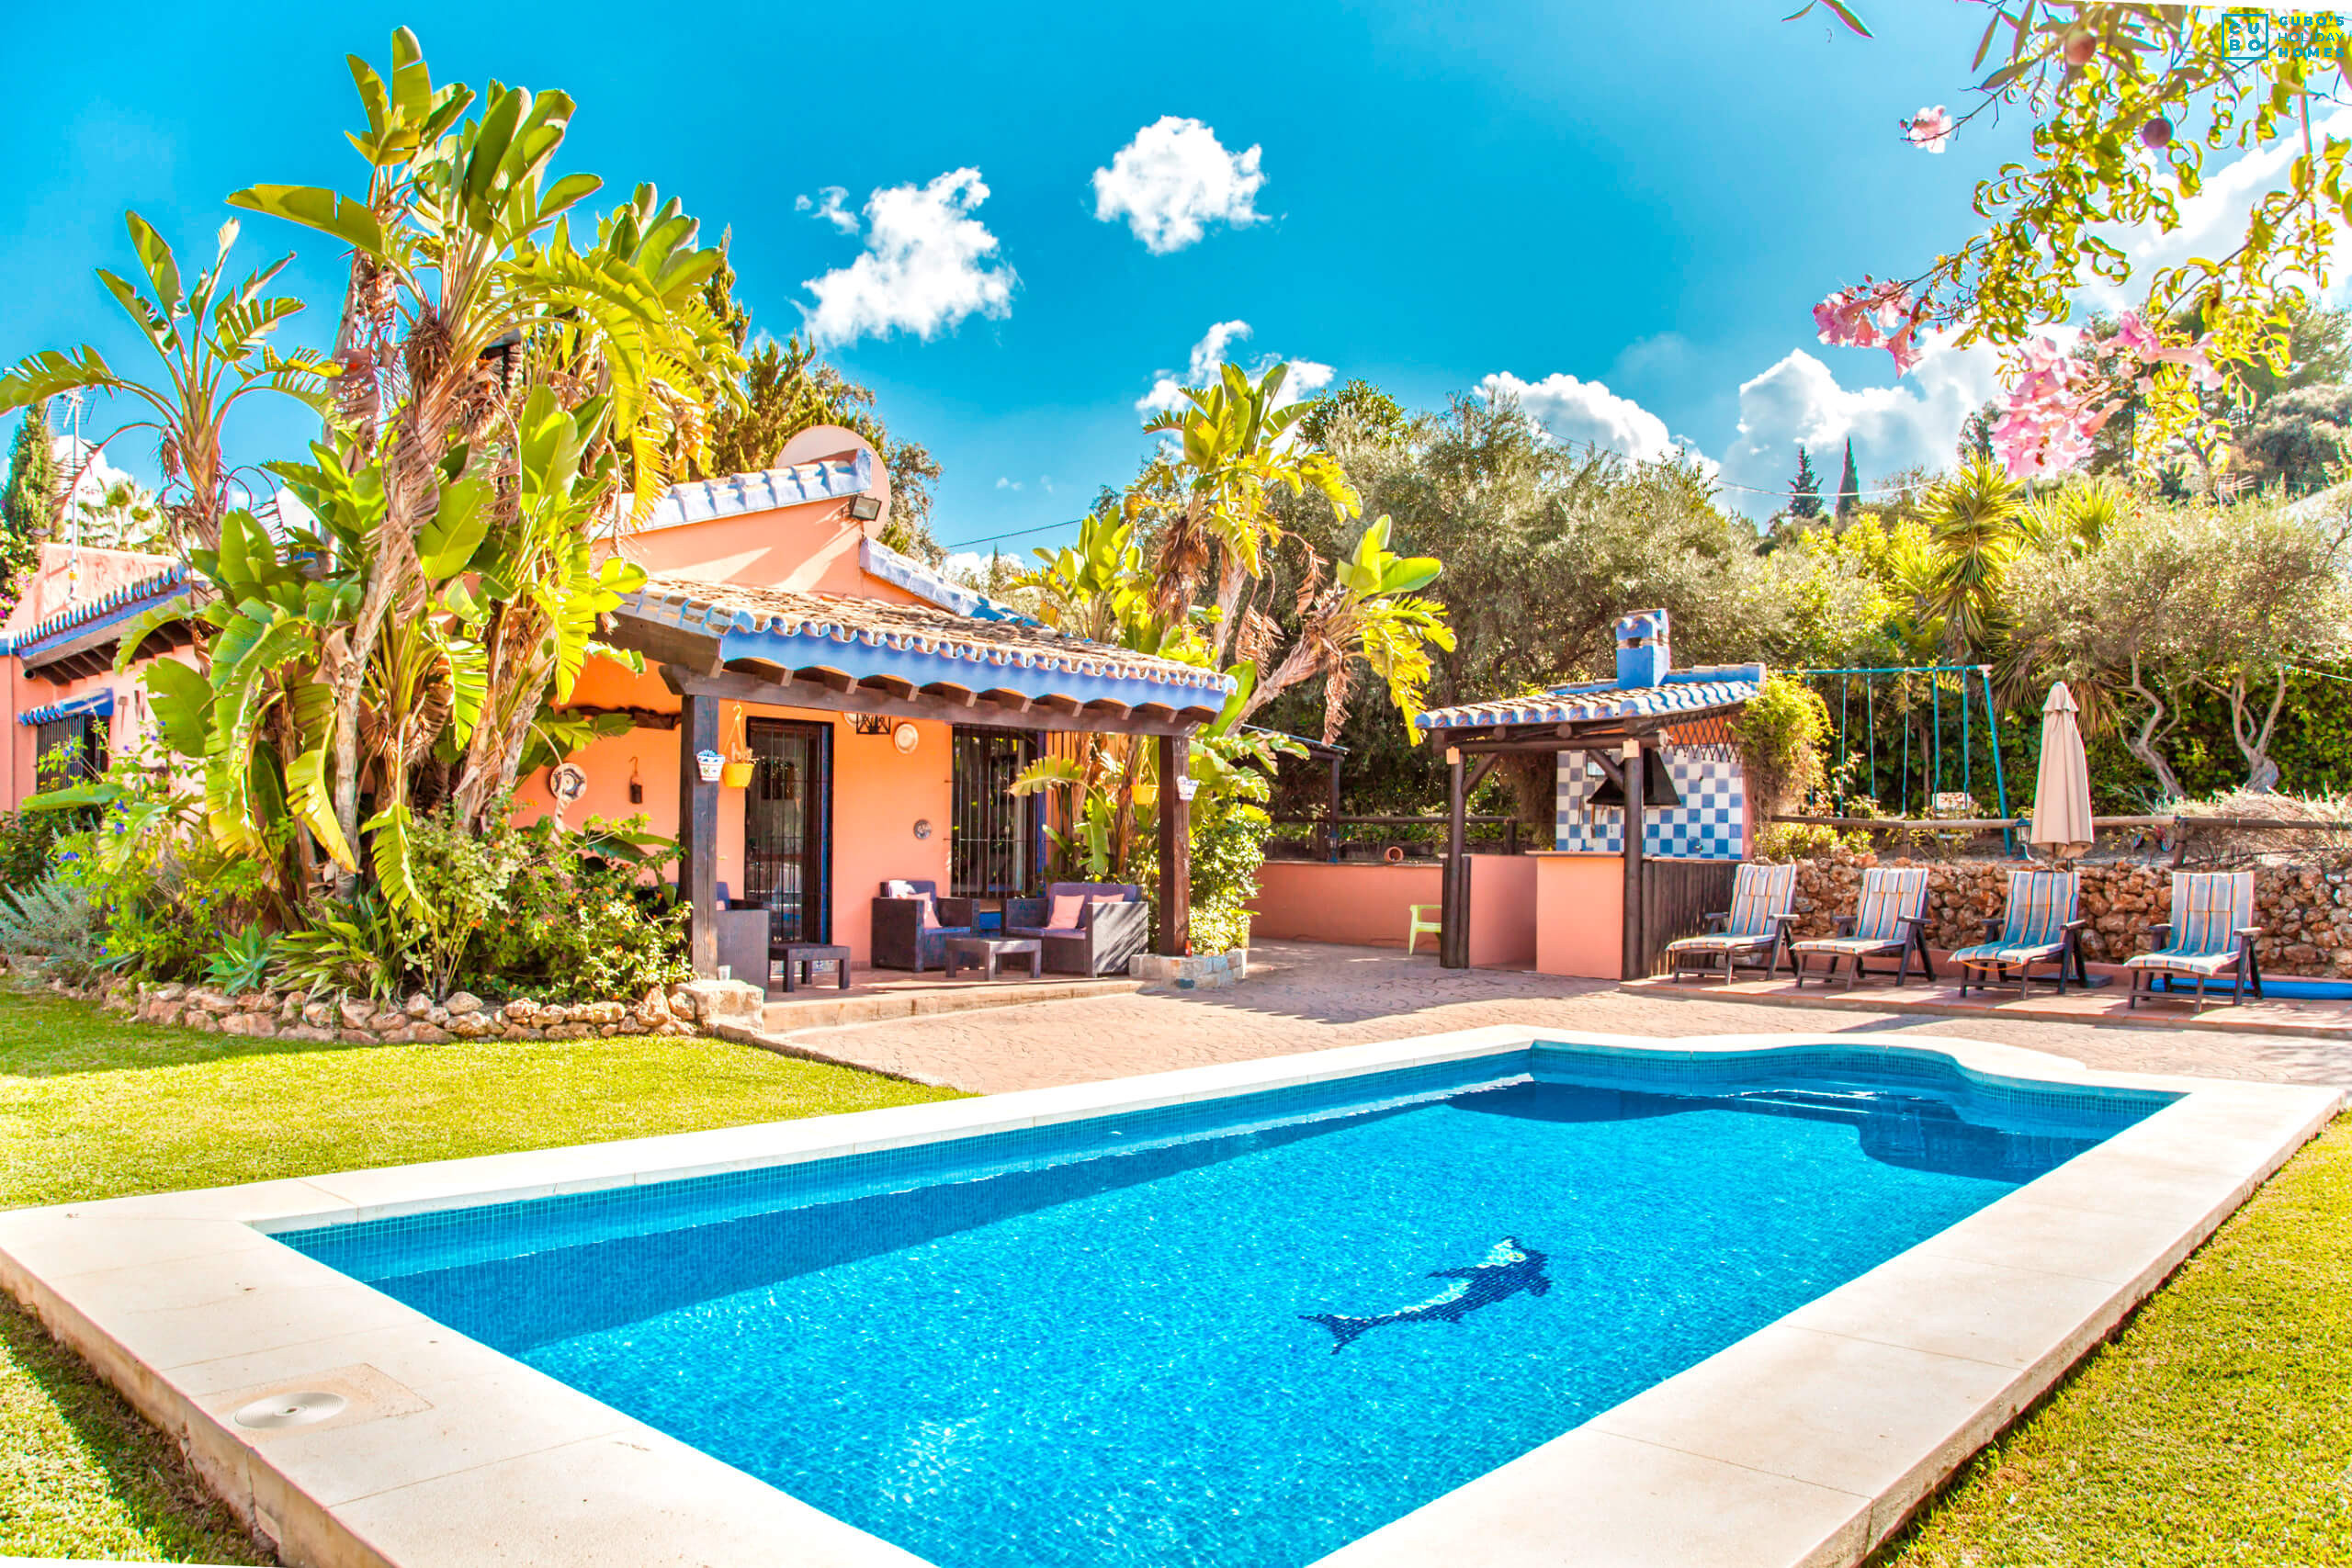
<point>736,775</point>
<point>708,764</point>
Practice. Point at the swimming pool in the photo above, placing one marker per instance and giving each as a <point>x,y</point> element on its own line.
<point>1245,1329</point>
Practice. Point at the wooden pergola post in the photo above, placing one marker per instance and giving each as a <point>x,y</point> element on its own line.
<point>1453,883</point>
<point>698,832</point>
<point>1175,912</point>
<point>1630,964</point>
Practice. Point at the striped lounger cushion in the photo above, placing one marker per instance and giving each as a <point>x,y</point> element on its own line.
<point>2208,909</point>
<point>1759,895</point>
<point>2041,903</point>
<point>1888,894</point>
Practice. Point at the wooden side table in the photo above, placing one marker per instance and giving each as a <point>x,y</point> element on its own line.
<point>801,958</point>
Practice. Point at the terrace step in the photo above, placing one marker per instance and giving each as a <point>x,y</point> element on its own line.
<point>831,1009</point>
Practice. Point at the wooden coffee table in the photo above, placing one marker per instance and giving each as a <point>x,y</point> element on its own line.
<point>801,958</point>
<point>990,952</point>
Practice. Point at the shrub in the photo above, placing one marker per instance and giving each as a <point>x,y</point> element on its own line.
<point>357,947</point>
<point>244,961</point>
<point>54,918</point>
<point>1780,734</point>
<point>576,920</point>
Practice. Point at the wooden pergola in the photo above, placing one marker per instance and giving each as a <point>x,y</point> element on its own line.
<point>1617,727</point>
<point>716,643</point>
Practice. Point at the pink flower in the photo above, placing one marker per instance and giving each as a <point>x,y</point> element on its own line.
<point>1928,129</point>
<point>1873,315</point>
<point>2132,336</point>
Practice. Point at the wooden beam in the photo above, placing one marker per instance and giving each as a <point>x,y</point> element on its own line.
<point>1104,708</point>
<point>798,693</point>
<point>694,651</point>
<point>949,692</point>
<point>831,679</point>
<point>1153,711</point>
<point>1007,698</point>
<point>1175,892</point>
<point>1060,704</point>
<point>889,685</point>
<point>698,834</point>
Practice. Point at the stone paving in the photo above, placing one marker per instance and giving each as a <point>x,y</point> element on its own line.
<point>1305,997</point>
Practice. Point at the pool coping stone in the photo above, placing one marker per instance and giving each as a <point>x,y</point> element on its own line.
<point>1812,1440</point>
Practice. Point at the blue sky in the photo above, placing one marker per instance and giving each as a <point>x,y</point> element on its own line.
<point>1646,197</point>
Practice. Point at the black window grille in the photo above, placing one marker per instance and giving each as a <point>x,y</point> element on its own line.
<point>992,846</point>
<point>71,747</point>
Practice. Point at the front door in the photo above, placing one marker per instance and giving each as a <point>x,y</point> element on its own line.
<point>787,819</point>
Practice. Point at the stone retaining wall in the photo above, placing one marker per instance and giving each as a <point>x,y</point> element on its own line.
<point>2305,911</point>
<point>288,1015</point>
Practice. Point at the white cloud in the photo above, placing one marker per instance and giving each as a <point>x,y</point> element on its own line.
<point>2212,223</point>
<point>1306,375</point>
<point>1173,180</point>
<point>1004,483</point>
<point>925,266</point>
<point>831,207</point>
<point>1587,411</point>
<point>1915,422</point>
<point>1168,390</point>
<point>71,452</point>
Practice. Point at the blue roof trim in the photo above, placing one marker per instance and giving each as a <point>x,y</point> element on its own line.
<point>101,703</point>
<point>1682,691</point>
<point>862,638</point>
<point>115,605</point>
<point>880,560</point>
<point>738,495</point>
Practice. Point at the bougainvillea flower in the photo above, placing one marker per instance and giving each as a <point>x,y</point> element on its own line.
<point>1928,129</point>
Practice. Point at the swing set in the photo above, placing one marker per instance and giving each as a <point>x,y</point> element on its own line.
<point>1976,684</point>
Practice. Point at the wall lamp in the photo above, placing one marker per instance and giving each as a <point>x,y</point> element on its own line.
<point>865,508</point>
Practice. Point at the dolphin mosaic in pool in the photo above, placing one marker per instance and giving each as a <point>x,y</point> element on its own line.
<point>1508,1269</point>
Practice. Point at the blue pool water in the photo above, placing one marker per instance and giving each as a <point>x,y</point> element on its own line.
<point>1243,1332</point>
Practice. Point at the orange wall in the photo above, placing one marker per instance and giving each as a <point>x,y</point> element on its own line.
<point>1367,904</point>
<point>131,726</point>
<point>878,795</point>
<point>1581,915</point>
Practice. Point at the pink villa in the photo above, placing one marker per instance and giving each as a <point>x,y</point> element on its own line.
<point>881,709</point>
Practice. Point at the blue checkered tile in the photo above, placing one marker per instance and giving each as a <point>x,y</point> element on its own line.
<point>1710,824</point>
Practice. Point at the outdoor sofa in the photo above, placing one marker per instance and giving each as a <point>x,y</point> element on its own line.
<point>1756,926</point>
<point>1890,920</point>
<point>1097,926</point>
<point>2041,926</point>
<point>912,923</point>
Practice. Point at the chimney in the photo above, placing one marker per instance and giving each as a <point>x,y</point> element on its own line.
<point>1643,657</point>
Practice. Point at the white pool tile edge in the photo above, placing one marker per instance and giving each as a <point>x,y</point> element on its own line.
<point>178,1298</point>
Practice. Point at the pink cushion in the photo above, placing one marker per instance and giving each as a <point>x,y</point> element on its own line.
<point>1069,909</point>
<point>930,912</point>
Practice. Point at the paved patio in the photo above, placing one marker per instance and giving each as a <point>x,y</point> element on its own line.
<point>1305,997</point>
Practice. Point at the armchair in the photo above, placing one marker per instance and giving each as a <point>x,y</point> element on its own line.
<point>901,941</point>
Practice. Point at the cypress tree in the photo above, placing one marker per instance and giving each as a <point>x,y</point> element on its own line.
<point>28,507</point>
<point>1850,488</point>
<point>1804,491</point>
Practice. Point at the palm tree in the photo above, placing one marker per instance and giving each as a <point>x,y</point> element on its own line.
<point>1975,518</point>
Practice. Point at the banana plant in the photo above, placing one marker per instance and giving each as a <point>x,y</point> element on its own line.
<point>1209,492</point>
<point>211,337</point>
<point>468,290</point>
<point>1369,610</point>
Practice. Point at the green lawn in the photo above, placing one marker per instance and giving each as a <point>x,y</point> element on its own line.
<point>2216,1430</point>
<point>93,1107</point>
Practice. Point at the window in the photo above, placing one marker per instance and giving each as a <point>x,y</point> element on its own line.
<point>992,839</point>
<point>71,747</point>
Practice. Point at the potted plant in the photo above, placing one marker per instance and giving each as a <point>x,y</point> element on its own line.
<point>737,772</point>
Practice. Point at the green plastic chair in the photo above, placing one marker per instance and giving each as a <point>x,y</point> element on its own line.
<point>1424,919</point>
